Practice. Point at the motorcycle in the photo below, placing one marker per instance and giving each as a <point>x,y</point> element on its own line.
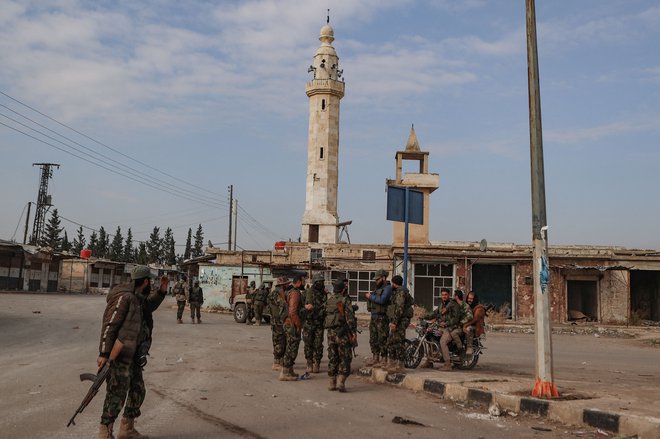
<point>427,344</point>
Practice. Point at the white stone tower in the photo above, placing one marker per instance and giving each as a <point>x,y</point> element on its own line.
<point>325,90</point>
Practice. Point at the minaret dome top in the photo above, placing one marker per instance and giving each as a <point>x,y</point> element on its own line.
<point>327,34</point>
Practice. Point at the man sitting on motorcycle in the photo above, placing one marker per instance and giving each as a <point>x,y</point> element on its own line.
<point>476,324</point>
<point>465,316</point>
<point>448,317</point>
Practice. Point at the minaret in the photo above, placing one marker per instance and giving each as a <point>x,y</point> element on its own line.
<point>325,90</point>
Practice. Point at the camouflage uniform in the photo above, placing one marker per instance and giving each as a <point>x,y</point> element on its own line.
<point>260,297</point>
<point>341,325</point>
<point>277,307</point>
<point>316,296</point>
<point>196,300</point>
<point>123,378</point>
<point>379,322</point>
<point>399,312</point>
<point>292,326</point>
<point>181,293</point>
<point>249,300</point>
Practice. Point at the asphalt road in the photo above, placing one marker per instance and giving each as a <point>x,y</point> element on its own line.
<point>214,380</point>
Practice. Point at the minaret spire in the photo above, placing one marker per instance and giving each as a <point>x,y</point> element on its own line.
<point>327,20</point>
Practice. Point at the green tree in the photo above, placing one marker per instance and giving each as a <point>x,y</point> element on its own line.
<point>66,245</point>
<point>116,250</point>
<point>104,243</point>
<point>199,243</point>
<point>94,244</point>
<point>187,251</point>
<point>52,233</point>
<point>141,256</point>
<point>168,248</point>
<point>78,241</point>
<point>128,254</point>
<point>154,246</point>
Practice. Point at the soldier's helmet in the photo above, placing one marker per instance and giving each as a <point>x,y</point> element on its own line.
<point>318,277</point>
<point>253,284</point>
<point>282,281</point>
<point>379,273</point>
<point>338,285</point>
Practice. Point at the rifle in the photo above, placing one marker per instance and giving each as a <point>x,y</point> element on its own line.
<point>97,380</point>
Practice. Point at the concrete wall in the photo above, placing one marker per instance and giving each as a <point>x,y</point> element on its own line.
<point>216,280</point>
<point>614,292</point>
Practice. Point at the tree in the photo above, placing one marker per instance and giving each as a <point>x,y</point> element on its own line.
<point>199,243</point>
<point>141,256</point>
<point>128,254</point>
<point>154,246</point>
<point>116,250</point>
<point>186,252</point>
<point>169,256</point>
<point>51,237</point>
<point>66,245</point>
<point>78,241</point>
<point>94,244</point>
<point>104,243</point>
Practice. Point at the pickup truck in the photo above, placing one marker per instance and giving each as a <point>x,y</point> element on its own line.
<point>239,307</point>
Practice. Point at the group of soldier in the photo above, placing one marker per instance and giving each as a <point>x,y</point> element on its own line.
<point>193,296</point>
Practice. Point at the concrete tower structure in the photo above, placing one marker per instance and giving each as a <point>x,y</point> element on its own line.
<point>418,234</point>
<point>325,90</point>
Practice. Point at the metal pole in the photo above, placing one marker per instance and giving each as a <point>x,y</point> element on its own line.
<point>231,205</point>
<point>27,221</point>
<point>544,386</point>
<point>405,238</point>
<point>235,221</point>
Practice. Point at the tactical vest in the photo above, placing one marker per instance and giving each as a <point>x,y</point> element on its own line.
<point>377,307</point>
<point>332,316</point>
<point>277,306</point>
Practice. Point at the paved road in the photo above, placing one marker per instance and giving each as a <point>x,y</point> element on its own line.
<point>208,381</point>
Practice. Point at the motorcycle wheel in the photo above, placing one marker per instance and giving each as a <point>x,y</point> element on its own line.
<point>467,365</point>
<point>412,356</point>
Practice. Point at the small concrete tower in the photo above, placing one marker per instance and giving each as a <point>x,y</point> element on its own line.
<point>325,90</point>
<point>418,234</point>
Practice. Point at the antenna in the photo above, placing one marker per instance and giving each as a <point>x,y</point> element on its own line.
<point>327,20</point>
<point>44,201</point>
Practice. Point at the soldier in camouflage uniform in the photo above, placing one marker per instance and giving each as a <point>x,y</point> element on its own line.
<point>315,298</point>
<point>379,330</point>
<point>249,301</point>
<point>465,316</point>
<point>181,293</point>
<point>278,311</point>
<point>341,324</point>
<point>399,313</point>
<point>292,328</point>
<point>260,298</point>
<point>125,340</point>
<point>196,299</point>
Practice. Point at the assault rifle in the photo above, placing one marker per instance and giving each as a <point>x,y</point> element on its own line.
<point>352,334</point>
<point>97,380</point>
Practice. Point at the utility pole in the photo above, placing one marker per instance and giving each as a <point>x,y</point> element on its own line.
<point>544,386</point>
<point>27,222</point>
<point>44,201</point>
<point>231,205</point>
<point>235,221</point>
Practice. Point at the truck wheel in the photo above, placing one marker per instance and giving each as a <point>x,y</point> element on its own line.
<point>240,313</point>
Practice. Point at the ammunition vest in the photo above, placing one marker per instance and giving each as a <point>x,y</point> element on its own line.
<point>332,315</point>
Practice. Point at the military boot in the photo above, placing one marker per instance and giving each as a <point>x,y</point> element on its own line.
<point>293,373</point>
<point>127,430</point>
<point>285,374</point>
<point>317,367</point>
<point>341,383</point>
<point>375,358</point>
<point>389,364</point>
<point>333,384</point>
<point>277,364</point>
<point>192,319</point>
<point>397,367</point>
<point>199,320</point>
<point>105,431</point>
<point>310,366</point>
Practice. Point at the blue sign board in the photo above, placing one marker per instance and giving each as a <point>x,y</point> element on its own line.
<point>396,201</point>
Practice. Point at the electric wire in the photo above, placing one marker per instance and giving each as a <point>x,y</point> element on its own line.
<point>19,220</point>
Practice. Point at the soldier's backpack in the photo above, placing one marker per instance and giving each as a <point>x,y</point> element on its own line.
<point>409,304</point>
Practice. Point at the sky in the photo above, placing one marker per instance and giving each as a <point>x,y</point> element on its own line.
<point>184,99</point>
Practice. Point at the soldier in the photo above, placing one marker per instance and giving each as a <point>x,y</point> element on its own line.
<point>249,300</point>
<point>448,313</point>
<point>377,303</point>
<point>465,315</point>
<point>292,328</point>
<point>342,335</point>
<point>126,334</point>
<point>181,293</point>
<point>278,312</point>
<point>399,313</point>
<point>260,297</point>
<point>196,301</point>
<point>476,324</point>
<point>315,298</point>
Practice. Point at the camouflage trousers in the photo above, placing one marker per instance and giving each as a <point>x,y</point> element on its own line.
<point>258,311</point>
<point>181,305</point>
<point>313,339</point>
<point>123,380</point>
<point>279,341</point>
<point>195,310</point>
<point>378,333</point>
<point>340,353</point>
<point>292,344</point>
<point>250,314</point>
<point>396,341</point>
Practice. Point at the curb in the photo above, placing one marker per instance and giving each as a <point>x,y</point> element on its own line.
<point>566,412</point>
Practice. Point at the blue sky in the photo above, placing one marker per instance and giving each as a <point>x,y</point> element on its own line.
<point>212,93</point>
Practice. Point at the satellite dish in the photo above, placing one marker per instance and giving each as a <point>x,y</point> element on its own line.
<point>483,245</point>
